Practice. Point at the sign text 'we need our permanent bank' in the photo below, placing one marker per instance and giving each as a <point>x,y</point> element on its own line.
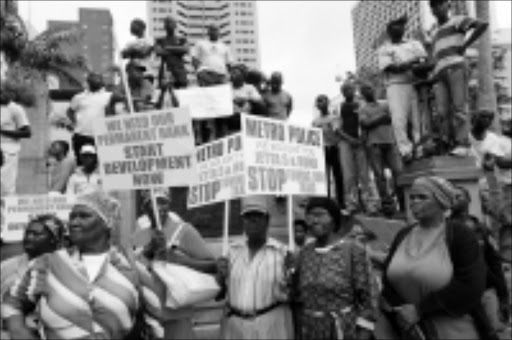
<point>146,150</point>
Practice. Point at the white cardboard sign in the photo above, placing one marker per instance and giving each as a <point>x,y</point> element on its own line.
<point>221,172</point>
<point>207,102</point>
<point>282,158</point>
<point>18,210</point>
<point>146,150</point>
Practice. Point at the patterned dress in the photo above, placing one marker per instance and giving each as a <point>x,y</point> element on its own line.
<point>334,291</point>
<point>70,306</point>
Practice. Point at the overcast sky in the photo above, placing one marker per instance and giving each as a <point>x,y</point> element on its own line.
<point>309,41</point>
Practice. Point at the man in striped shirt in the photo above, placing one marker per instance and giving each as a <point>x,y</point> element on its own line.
<point>449,47</point>
<point>254,275</point>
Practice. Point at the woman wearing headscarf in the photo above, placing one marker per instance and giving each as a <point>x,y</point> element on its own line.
<point>92,290</point>
<point>189,249</point>
<point>43,234</point>
<point>434,275</point>
<point>332,281</point>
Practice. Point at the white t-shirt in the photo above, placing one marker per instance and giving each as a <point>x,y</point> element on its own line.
<point>497,145</point>
<point>246,92</point>
<point>79,183</point>
<point>93,264</point>
<point>142,44</point>
<point>88,107</point>
<point>12,117</point>
<point>3,66</point>
<point>393,54</point>
<point>212,56</point>
<point>145,223</point>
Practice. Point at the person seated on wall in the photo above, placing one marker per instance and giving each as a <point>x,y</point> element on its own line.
<point>61,166</point>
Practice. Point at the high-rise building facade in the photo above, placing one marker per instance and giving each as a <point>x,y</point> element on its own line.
<point>502,47</point>
<point>369,20</point>
<point>236,20</point>
<point>97,40</point>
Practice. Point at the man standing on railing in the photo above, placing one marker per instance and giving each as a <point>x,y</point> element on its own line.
<point>14,126</point>
<point>213,60</point>
<point>172,49</point>
<point>449,47</point>
<point>396,60</point>
<point>84,109</point>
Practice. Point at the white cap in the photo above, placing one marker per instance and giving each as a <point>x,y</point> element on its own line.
<point>88,149</point>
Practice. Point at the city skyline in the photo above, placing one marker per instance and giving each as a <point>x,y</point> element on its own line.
<point>311,42</point>
<point>237,22</point>
<point>96,44</point>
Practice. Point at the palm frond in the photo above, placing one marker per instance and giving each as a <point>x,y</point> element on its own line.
<point>39,56</point>
<point>58,37</point>
<point>66,74</point>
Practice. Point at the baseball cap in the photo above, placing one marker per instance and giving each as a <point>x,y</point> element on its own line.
<point>88,149</point>
<point>402,21</point>
<point>255,204</point>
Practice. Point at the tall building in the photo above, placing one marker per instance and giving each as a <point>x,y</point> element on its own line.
<point>369,20</point>
<point>502,46</point>
<point>236,20</point>
<point>97,40</point>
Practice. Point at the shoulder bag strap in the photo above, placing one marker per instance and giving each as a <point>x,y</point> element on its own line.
<point>174,241</point>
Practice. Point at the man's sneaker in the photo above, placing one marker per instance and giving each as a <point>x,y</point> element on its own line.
<point>461,151</point>
<point>407,159</point>
<point>419,153</point>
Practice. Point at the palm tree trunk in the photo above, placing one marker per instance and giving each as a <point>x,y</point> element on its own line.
<point>9,6</point>
<point>486,95</point>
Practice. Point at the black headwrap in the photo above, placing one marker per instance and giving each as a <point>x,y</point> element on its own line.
<point>328,204</point>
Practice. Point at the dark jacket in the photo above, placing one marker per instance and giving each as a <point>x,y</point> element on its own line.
<point>462,295</point>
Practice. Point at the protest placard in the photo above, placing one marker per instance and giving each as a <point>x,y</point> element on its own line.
<point>18,210</point>
<point>146,150</point>
<point>207,102</point>
<point>282,159</point>
<point>220,166</point>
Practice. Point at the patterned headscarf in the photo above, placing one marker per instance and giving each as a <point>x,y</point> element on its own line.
<point>104,205</point>
<point>442,190</point>
<point>52,223</point>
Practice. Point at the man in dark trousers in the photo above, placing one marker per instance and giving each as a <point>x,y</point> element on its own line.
<point>449,46</point>
<point>354,164</point>
<point>172,49</point>
<point>327,123</point>
<point>381,144</point>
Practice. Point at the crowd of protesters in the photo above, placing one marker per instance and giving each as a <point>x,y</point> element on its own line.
<point>441,278</point>
<point>445,276</point>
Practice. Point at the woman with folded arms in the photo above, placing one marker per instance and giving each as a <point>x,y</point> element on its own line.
<point>90,291</point>
<point>434,276</point>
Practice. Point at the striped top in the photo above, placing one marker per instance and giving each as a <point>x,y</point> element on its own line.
<point>12,270</point>
<point>448,40</point>
<point>70,306</point>
<point>258,283</point>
